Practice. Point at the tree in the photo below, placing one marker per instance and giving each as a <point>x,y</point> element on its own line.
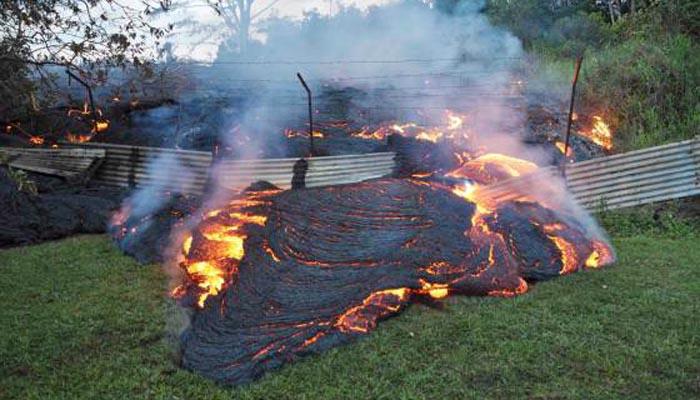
<point>78,34</point>
<point>239,15</point>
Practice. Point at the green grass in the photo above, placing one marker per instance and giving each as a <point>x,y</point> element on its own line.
<point>79,320</point>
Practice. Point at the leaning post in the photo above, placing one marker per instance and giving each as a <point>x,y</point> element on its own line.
<point>311,115</point>
<point>577,69</point>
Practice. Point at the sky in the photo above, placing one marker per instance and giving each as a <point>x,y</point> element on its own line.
<point>203,46</point>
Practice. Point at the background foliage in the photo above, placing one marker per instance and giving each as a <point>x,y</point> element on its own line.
<point>642,71</point>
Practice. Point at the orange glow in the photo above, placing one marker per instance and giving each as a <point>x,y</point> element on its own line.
<point>429,136</point>
<point>562,146</point>
<point>434,290</point>
<point>401,128</point>
<point>211,256</point>
<point>271,253</point>
<point>187,245</point>
<point>365,133</point>
<point>493,167</point>
<point>569,256</point>
<point>72,138</point>
<point>249,218</point>
<point>514,166</point>
<point>313,339</point>
<point>101,125</point>
<point>389,301</point>
<point>518,290</point>
<point>208,277</point>
<point>291,133</point>
<point>228,235</point>
<point>38,140</point>
<point>600,256</point>
<point>600,133</point>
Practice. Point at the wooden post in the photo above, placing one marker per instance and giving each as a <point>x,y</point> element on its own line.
<point>311,114</point>
<point>577,68</point>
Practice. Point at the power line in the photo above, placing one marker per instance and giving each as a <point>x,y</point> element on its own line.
<point>332,62</point>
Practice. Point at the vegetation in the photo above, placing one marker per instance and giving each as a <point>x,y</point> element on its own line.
<point>83,35</point>
<point>23,181</point>
<point>84,321</point>
<point>641,72</point>
<point>662,221</point>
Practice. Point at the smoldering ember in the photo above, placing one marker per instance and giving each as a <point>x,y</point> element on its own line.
<point>304,178</point>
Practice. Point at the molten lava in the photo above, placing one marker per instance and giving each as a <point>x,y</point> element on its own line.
<point>562,147</point>
<point>279,275</point>
<point>453,128</point>
<point>213,252</point>
<point>37,140</point>
<point>275,275</point>
<point>493,167</point>
<point>291,133</point>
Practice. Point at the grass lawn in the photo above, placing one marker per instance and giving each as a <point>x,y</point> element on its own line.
<point>80,320</point>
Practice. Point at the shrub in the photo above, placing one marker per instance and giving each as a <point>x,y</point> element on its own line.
<point>652,87</point>
<point>21,179</point>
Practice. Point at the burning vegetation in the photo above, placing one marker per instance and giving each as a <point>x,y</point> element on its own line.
<point>86,120</point>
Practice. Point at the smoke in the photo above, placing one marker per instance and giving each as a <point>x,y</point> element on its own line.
<point>167,176</point>
<point>404,61</point>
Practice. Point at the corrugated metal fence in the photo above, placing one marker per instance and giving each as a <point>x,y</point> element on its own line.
<point>639,177</point>
<point>127,165</point>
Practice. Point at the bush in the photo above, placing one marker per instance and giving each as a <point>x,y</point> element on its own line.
<point>642,73</point>
<point>652,87</point>
<point>571,35</point>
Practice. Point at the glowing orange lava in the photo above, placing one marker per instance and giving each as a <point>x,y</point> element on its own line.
<point>212,255</point>
<point>601,255</point>
<point>492,167</point>
<point>387,301</point>
<point>37,140</point>
<point>562,147</point>
<point>291,133</point>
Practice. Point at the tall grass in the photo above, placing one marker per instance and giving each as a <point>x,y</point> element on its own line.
<point>642,74</point>
<point>652,87</point>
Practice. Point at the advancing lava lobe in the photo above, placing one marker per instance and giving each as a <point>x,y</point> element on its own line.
<point>326,264</point>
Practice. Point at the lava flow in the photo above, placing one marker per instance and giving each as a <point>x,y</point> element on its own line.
<point>213,251</point>
<point>452,129</point>
<point>277,275</point>
<point>274,275</point>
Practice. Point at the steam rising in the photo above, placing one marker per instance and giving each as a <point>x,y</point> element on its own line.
<point>404,61</point>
